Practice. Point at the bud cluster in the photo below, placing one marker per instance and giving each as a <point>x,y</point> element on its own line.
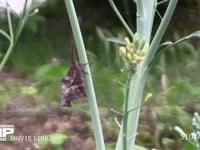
<point>134,52</point>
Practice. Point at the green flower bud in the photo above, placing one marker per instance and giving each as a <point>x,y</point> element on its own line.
<point>122,51</point>
<point>127,41</point>
<point>129,56</point>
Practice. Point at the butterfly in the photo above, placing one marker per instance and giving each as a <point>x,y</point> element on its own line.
<point>73,84</point>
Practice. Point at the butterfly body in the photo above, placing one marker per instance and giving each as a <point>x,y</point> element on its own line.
<point>73,84</point>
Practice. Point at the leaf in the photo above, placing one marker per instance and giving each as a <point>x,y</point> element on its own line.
<point>53,139</point>
<point>170,44</point>
<point>49,73</point>
<point>116,40</point>
<point>29,90</point>
<point>165,46</point>
<point>34,22</point>
<point>57,138</point>
<point>137,147</point>
<point>4,34</point>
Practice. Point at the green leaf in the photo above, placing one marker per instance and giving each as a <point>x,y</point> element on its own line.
<point>4,34</point>
<point>49,73</point>
<point>42,142</point>
<point>57,138</point>
<point>137,147</point>
<point>116,40</point>
<point>165,46</point>
<point>171,44</point>
<point>54,139</point>
<point>167,141</point>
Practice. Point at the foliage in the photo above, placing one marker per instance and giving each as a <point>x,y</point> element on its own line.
<point>27,11</point>
<point>193,137</point>
<point>106,52</point>
<point>110,96</point>
<point>49,73</point>
<point>33,55</point>
<point>48,78</point>
<point>53,141</point>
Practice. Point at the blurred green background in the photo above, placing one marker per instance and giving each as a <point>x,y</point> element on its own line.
<point>41,58</point>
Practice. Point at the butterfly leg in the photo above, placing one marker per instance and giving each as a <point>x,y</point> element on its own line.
<point>83,64</point>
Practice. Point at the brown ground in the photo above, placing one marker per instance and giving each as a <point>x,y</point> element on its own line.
<point>44,123</point>
<point>36,118</point>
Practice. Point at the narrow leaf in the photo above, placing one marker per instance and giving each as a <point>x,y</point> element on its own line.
<point>170,44</point>
<point>4,34</point>
<point>137,147</point>
<point>165,46</point>
<point>194,34</point>
<point>116,40</point>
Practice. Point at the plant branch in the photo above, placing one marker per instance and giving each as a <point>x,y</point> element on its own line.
<point>138,80</point>
<point>96,124</point>
<point>10,48</point>
<point>121,18</point>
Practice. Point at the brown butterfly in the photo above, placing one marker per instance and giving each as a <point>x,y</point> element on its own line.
<point>73,84</point>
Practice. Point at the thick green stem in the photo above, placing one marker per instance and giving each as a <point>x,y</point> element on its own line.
<point>138,81</point>
<point>145,16</point>
<point>89,83</point>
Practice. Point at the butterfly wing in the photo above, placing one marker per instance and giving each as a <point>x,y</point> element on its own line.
<point>73,85</point>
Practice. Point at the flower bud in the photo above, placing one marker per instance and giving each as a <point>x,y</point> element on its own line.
<point>127,41</point>
<point>129,49</point>
<point>122,51</point>
<point>129,56</point>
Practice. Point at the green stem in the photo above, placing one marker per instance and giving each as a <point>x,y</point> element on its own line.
<point>127,12</point>
<point>121,18</point>
<point>23,20</point>
<point>125,114</point>
<point>89,83</point>
<point>145,16</point>
<point>138,82</point>
<point>14,39</point>
<point>10,48</point>
<point>136,93</point>
<point>160,32</point>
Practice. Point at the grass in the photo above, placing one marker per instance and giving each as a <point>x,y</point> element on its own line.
<point>26,58</point>
<point>179,94</point>
<point>33,54</point>
<point>37,57</point>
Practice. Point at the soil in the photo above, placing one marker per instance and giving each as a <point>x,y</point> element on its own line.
<point>44,123</point>
<point>36,119</point>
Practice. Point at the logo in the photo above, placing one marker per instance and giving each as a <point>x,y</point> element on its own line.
<point>6,130</point>
<point>7,134</point>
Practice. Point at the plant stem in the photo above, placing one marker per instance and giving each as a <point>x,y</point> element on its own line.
<point>125,113</point>
<point>23,20</point>
<point>11,46</point>
<point>127,12</point>
<point>160,32</point>
<point>138,80</point>
<point>145,16</point>
<point>121,18</point>
<point>14,38</point>
<point>89,83</point>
